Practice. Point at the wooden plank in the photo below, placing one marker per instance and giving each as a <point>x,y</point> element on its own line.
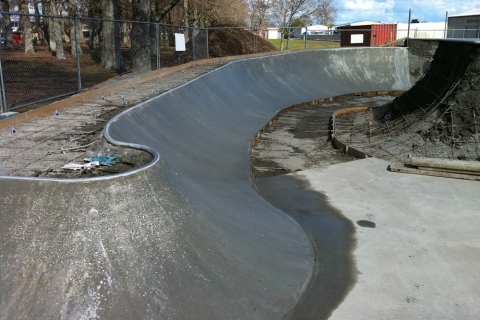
<point>391,42</point>
<point>401,169</point>
<point>445,164</point>
<point>450,171</point>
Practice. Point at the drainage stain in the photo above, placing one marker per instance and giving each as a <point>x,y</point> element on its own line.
<point>332,237</point>
<point>366,223</point>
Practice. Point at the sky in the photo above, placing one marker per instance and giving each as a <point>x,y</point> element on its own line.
<point>393,11</point>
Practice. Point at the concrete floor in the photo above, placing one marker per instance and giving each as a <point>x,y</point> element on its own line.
<point>188,237</point>
<point>420,261</point>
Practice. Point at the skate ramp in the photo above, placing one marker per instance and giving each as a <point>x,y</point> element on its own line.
<point>187,236</point>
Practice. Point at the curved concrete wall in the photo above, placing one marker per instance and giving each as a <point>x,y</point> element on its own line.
<point>186,237</point>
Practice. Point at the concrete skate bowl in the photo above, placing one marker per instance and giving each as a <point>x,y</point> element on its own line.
<point>187,236</point>
<point>437,117</point>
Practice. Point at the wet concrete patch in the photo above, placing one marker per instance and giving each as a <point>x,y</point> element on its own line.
<point>332,237</point>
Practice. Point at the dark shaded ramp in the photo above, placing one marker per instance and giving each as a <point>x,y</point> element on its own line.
<point>186,237</point>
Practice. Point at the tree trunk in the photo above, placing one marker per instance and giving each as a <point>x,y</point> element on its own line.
<point>8,26</point>
<point>56,34</point>
<point>52,44</point>
<point>58,38</point>
<point>26,27</point>
<point>125,34</point>
<point>74,31</point>
<point>111,53</point>
<point>140,36</point>
<point>167,9</point>
<point>40,26</point>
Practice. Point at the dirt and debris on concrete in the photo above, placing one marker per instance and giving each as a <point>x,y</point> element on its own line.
<point>300,138</point>
<point>40,148</point>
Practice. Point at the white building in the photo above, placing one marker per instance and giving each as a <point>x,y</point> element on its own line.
<point>423,30</point>
<point>316,29</point>
<point>272,33</point>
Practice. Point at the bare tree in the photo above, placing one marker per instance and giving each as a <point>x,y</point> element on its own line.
<point>39,23</point>
<point>111,53</point>
<point>206,13</point>
<point>161,13</point>
<point>326,12</point>
<point>55,31</point>
<point>26,27</point>
<point>258,12</point>
<point>7,24</point>
<point>140,36</point>
<point>75,27</point>
<point>287,11</point>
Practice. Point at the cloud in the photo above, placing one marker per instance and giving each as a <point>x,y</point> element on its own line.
<point>367,5</point>
<point>392,11</point>
<point>359,10</point>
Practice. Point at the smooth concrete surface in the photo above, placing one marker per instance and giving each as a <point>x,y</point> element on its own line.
<point>188,236</point>
<point>420,260</point>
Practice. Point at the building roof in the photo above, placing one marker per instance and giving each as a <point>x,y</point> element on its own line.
<point>474,12</point>
<point>359,23</point>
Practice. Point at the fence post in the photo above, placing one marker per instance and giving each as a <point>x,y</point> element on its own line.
<point>208,55</point>
<point>255,30</point>
<point>305,35</point>
<point>3,101</point>
<point>446,25</point>
<point>409,19</point>
<point>157,36</point>
<point>193,42</point>
<point>77,52</point>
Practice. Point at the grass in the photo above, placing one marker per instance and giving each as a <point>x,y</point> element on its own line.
<point>296,44</point>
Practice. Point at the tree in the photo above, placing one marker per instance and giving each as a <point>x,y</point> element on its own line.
<point>7,24</point>
<point>39,23</point>
<point>159,14</point>
<point>206,13</point>
<point>55,31</point>
<point>111,53</point>
<point>74,31</point>
<point>26,27</point>
<point>326,13</point>
<point>258,12</point>
<point>141,36</point>
<point>286,11</point>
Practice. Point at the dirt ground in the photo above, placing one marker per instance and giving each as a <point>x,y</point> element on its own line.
<point>31,78</point>
<point>37,76</point>
<point>43,146</point>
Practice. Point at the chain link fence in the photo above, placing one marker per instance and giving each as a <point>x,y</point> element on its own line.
<point>48,57</point>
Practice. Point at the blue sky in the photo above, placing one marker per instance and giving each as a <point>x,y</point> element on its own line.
<point>393,11</point>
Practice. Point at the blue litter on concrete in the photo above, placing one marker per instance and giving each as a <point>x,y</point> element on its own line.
<point>104,160</point>
<point>8,115</point>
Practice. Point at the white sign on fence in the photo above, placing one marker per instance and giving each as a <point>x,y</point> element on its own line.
<point>179,42</point>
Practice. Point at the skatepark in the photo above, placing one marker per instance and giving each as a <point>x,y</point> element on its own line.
<point>191,235</point>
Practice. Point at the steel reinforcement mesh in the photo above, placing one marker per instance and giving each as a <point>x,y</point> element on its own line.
<point>425,121</point>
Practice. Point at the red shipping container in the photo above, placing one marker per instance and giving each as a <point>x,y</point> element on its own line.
<point>368,35</point>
